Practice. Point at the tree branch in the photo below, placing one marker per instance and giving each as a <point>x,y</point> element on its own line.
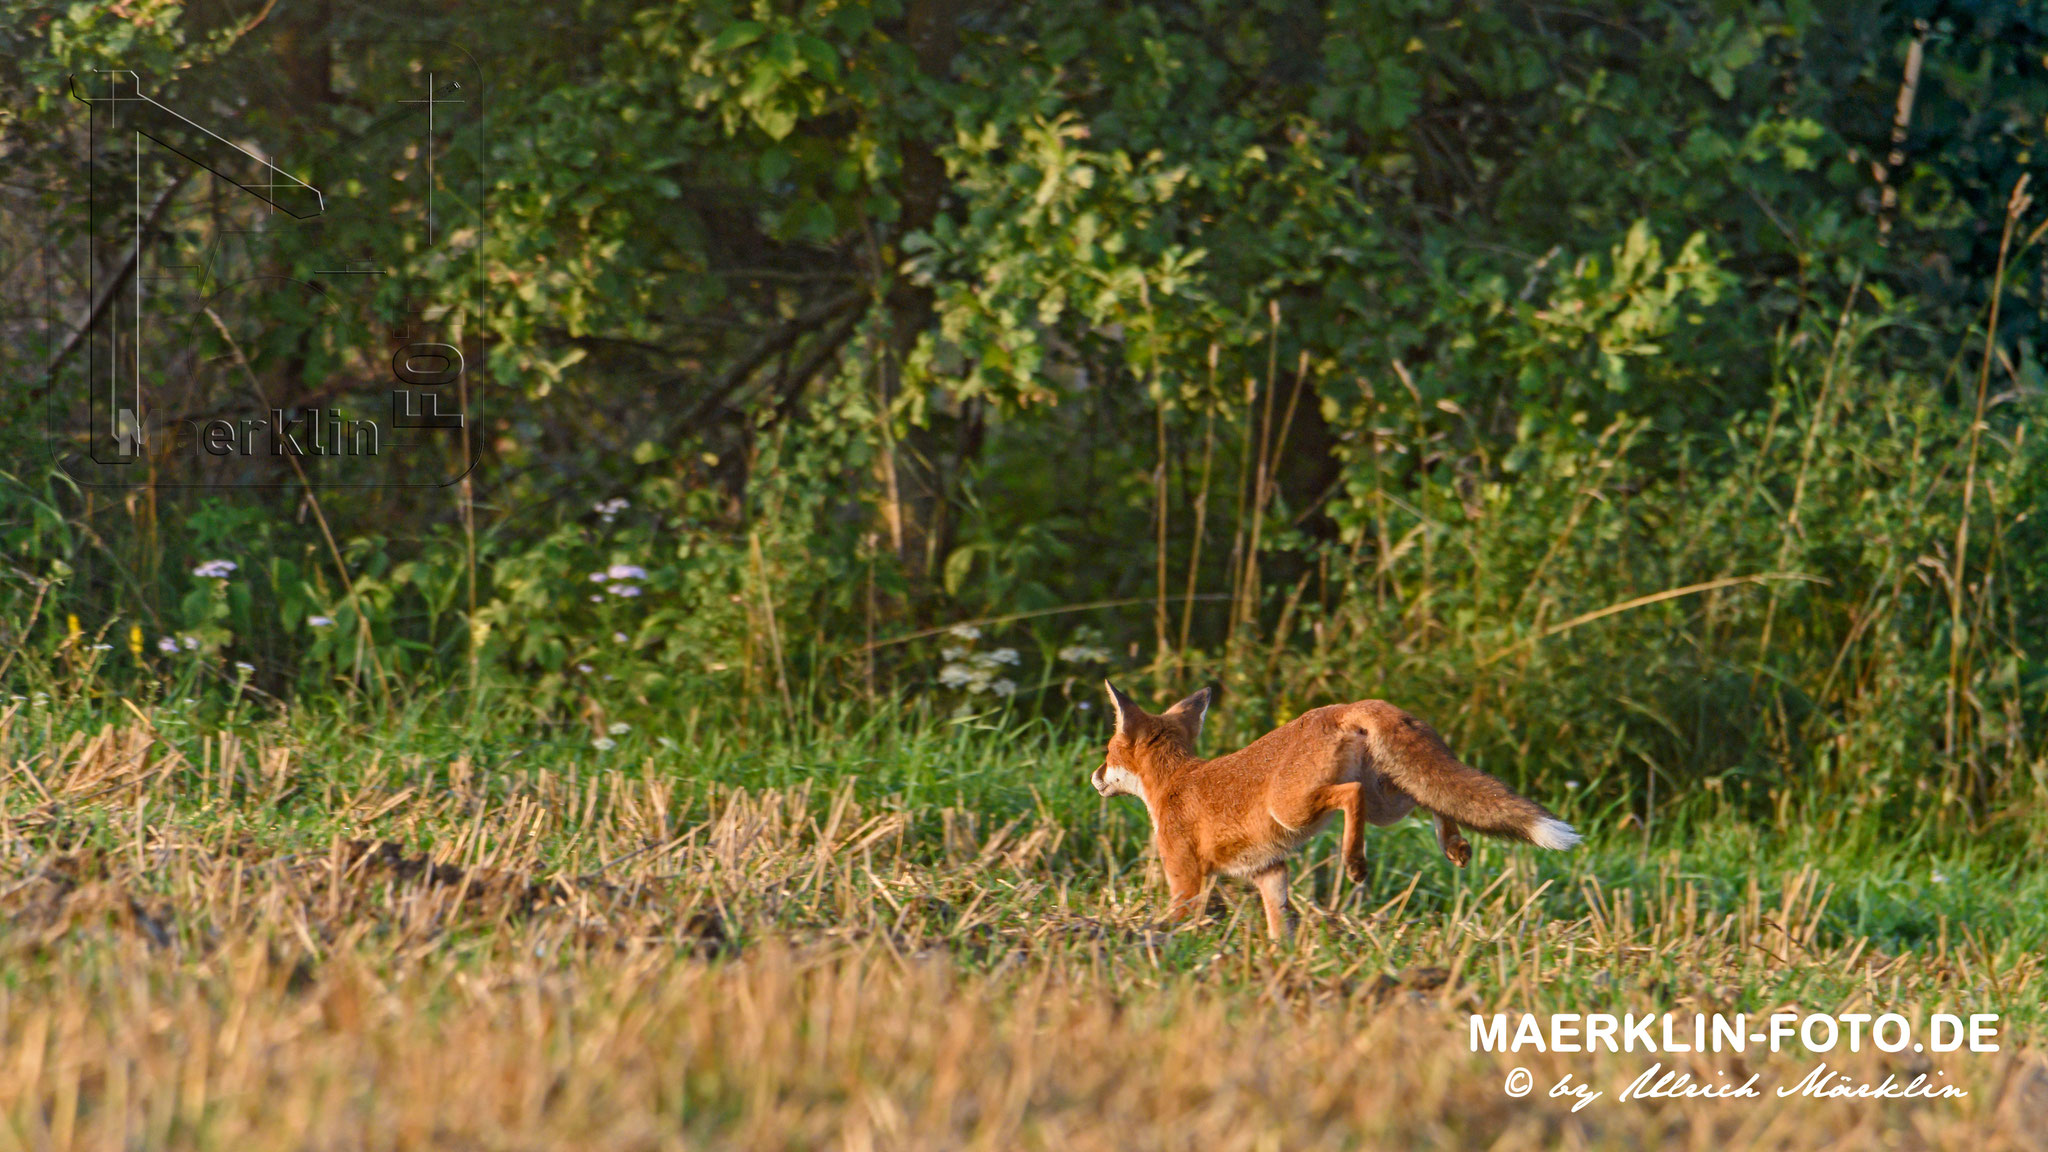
<point>120,274</point>
<point>777,340</point>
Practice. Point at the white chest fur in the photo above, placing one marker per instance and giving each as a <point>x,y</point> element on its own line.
<point>1127,783</point>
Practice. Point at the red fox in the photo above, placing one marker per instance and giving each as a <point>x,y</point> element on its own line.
<point>1242,814</point>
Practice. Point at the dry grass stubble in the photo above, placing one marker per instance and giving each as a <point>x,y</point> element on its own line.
<point>783,970</point>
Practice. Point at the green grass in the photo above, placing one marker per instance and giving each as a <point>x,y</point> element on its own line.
<point>1899,889</point>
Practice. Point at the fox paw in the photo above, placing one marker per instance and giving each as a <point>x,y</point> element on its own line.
<point>1459,852</point>
<point>1356,870</point>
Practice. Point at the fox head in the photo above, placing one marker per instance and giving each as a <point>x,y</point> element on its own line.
<point>1141,740</point>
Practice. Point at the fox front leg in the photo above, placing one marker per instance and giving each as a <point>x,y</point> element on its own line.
<point>1184,879</point>
<point>1273,892</point>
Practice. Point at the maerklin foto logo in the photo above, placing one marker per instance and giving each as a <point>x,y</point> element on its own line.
<point>313,432</point>
<point>169,356</point>
<point>1700,1033</point>
<point>325,431</point>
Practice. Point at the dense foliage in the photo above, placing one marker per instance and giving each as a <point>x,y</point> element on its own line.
<point>1641,391</point>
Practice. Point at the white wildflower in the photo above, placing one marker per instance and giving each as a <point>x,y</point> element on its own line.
<point>627,590</point>
<point>952,654</point>
<point>1004,687</point>
<point>625,572</point>
<point>320,621</point>
<point>618,637</point>
<point>965,631</point>
<point>245,667</point>
<point>620,729</point>
<point>215,569</point>
<point>604,743</point>
<point>1084,654</point>
<point>1004,656</point>
<point>956,675</point>
<point>585,669</point>
<point>166,644</point>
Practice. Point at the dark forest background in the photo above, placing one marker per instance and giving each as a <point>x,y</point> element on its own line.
<point>1645,393</point>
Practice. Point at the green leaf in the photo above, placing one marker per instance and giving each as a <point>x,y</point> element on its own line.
<point>765,78</point>
<point>820,55</point>
<point>776,119</point>
<point>738,35</point>
<point>782,53</point>
<point>960,564</point>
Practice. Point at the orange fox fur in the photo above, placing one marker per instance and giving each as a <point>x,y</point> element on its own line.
<point>1243,813</point>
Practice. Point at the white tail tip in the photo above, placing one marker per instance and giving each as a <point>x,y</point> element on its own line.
<point>1555,835</point>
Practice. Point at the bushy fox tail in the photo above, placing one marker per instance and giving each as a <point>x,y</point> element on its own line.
<point>1411,754</point>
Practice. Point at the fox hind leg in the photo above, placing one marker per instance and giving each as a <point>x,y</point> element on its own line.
<point>1456,848</point>
<point>1350,799</point>
<point>1385,802</point>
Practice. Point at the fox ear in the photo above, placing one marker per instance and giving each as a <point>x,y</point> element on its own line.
<point>1191,711</point>
<point>1124,707</point>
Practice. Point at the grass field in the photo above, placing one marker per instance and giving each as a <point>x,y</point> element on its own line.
<point>306,933</point>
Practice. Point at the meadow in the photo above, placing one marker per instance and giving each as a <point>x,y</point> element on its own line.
<point>232,929</point>
<point>653,706</point>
